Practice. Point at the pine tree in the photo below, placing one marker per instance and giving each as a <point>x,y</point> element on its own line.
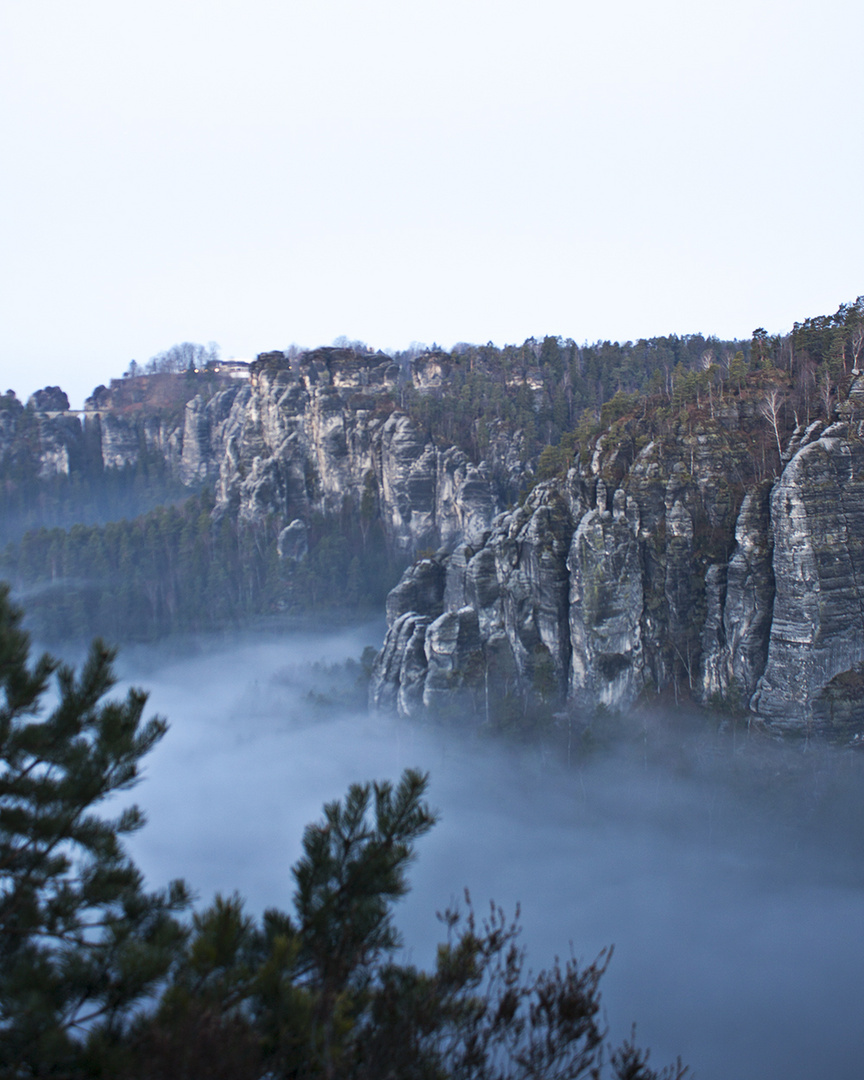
<point>81,941</point>
<point>352,870</point>
<point>98,978</point>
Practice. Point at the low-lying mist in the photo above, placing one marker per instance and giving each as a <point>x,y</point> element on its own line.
<point>728,873</point>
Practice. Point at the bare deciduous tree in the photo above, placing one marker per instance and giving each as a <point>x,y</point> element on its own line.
<point>770,407</point>
<point>826,390</point>
<point>857,345</point>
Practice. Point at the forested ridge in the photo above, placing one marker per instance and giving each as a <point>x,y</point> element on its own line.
<point>98,564</point>
<point>101,977</point>
<point>543,387</point>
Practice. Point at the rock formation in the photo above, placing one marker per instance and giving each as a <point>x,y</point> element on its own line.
<point>817,625</point>
<point>675,565</point>
<point>323,433</point>
<point>313,435</point>
<point>666,575</point>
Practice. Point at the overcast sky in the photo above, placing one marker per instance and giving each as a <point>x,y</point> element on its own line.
<point>262,173</point>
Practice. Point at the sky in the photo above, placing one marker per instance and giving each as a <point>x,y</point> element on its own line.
<point>260,174</point>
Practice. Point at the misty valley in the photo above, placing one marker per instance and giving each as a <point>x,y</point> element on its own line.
<point>726,874</point>
<point>609,597</point>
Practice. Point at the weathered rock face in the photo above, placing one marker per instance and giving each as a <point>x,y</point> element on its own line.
<point>531,547</point>
<point>741,603</point>
<point>118,439</point>
<point>421,589</point>
<point>454,660</point>
<point>319,434</point>
<point>142,416</point>
<point>40,439</point>
<point>817,628</point>
<point>122,439</point>
<point>322,434</point>
<point>203,437</point>
<point>399,676</point>
<point>672,577</point>
<point>60,445</point>
<point>654,566</point>
<point>606,604</point>
<point>506,612</point>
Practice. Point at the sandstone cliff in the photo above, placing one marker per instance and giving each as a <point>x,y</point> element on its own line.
<point>677,558</point>
<point>671,567</point>
<point>322,434</point>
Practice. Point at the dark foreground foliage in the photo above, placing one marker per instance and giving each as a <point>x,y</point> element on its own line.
<point>100,978</point>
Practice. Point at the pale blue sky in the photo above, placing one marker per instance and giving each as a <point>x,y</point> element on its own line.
<point>262,173</point>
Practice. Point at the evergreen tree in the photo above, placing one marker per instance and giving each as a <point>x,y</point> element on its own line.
<point>317,995</point>
<point>98,978</point>
<point>81,942</point>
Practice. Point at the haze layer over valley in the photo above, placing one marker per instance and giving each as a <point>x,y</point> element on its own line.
<point>728,874</point>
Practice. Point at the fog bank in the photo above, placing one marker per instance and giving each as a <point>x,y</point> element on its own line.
<point>728,878</point>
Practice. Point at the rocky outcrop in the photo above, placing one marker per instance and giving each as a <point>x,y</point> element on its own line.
<point>505,619</point>
<point>454,662</point>
<point>41,439</point>
<point>421,589</point>
<point>789,637</point>
<point>740,607</point>
<point>817,625</point>
<point>61,445</point>
<point>322,433</point>
<point>531,546</point>
<point>316,434</point>
<point>399,677</point>
<point>293,543</point>
<point>606,604</point>
<point>48,399</point>
<point>662,574</point>
<point>654,566</point>
<point>203,441</point>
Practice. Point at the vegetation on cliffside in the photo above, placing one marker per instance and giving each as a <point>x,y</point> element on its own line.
<point>79,546</point>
